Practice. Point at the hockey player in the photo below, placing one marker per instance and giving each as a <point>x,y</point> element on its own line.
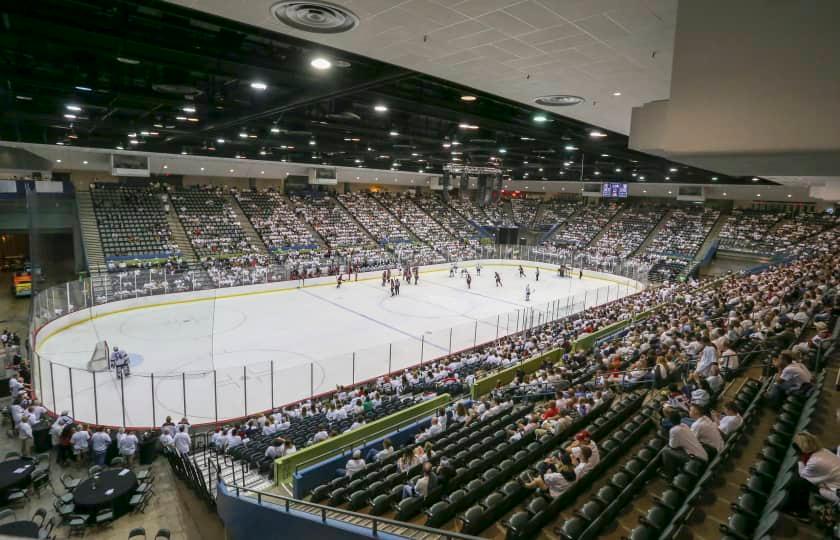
<point>527,293</point>
<point>384,279</point>
<point>338,281</point>
<point>469,280</point>
<point>498,279</point>
<point>452,271</point>
<point>521,271</point>
<point>416,274</point>
<point>478,269</point>
<point>397,286</point>
<point>538,273</point>
<point>392,287</point>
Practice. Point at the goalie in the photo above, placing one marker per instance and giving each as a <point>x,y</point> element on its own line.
<point>120,362</point>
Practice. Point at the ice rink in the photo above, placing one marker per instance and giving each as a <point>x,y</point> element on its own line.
<point>241,351</point>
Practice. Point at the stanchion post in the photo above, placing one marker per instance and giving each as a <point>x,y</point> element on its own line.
<point>353,376</point>
<point>245,388</point>
<point>122,398</point>
<point>154,420</point>
<point>184,391</point>
<point>72,393</point>
<point>475,334</point>
<point>215,396</point>
<point>272,383</point>
<point>95,399</point>
<point>422,346</point>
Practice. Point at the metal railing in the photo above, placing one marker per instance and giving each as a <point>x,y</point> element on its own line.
<point>329,513</point>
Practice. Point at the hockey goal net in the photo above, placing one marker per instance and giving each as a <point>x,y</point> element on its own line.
<point>99,360</point>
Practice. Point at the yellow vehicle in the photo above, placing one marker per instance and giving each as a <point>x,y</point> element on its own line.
<point>22,284</point>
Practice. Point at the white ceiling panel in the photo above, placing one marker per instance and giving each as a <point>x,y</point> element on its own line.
<point>517,49</point>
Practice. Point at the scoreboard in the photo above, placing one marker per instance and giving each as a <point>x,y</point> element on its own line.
<point>610,189</point>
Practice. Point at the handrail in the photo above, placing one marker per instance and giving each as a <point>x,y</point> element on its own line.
<point>323,510</point>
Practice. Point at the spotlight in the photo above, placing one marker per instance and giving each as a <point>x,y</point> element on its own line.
<point>320,63</point>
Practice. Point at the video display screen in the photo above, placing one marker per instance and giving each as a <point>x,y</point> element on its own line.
<point>609,189</point>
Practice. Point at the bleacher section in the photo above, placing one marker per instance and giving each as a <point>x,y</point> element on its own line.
<point>581,228</point>
<point>132,223</point>
<point>556,211</point>
<point>471,212</point>
<point>627,232</point>
<point>210,223</point>
<point>275,220</point>
<point>748,231</point>
<point>450,220</point>
<point>428,230</point>
<point>677,242</point>
<point>524,211</point>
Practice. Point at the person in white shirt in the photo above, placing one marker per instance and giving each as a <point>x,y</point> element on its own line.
<point>790,379</point>
<point>433,430</point>
<point>731,421</point>
<point>80,441</point>
<point>818,471</point>
<point>37,411</point>
<point>182,441</point>
<point>355,464</point>
<point>25,435</point>
<point>322,435</point>
<point>16,412</point>
<point>584,461</point>
<point>275,450</point>
<point>708,356</point>
<point>100,441</point>
<point>166,440</point>
<point>706,430</point>
<point>127,445</point>
<point>682,444</point>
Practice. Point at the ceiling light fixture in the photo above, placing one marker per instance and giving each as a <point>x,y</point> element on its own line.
<point>320,63</point>
<point>59,161</point>
<point>166,166</point>
<point>192,119</point>
<point>188,109</point>
<point>84,88</point>
<point>275,130</point>
<point>570,148</point>
<point>312,142</point>
<point>616,94</point>
<point>468,98</point>
<point>243,135</point>
<point>130,61</point>
<point>540,118</point>
<point>133,141</point>
<point>220,141</point>
<point>714,179</point>
<point>393,133</point>
<point>467,126</point>
<point>755,179</point>
<point>502,151</point>
<point>70,116</point>
<point>84,162</point>
<point>59,143</point>
<point>380,108</point>
<point>73,108</point>
<point>258,85</point>
<point>597,134</point>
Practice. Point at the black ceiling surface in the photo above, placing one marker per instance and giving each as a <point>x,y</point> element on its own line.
<point>133,67</point>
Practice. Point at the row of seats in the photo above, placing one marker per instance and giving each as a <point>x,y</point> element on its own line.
<point>556,211</point>
<point>540,512</point>
<point>581,228</point>
<point>446,216</point>
<point>131,222</point>
<point>275,220</point>
<point>673,506</point>
<point>210,222</point>
<point>756,511</point>
<point>800,227</point>
<point>384,227</point>
<point>471,212</point>
<point>524,211</point>
<point>624,235</point>
<point>423,226</point>
<point>748,231</point>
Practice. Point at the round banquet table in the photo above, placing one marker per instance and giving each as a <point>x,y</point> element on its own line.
<point>90,500</point>
<point>20,529</point>
<point>9,479</point>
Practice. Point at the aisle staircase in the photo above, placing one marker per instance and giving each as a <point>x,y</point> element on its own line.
<point>711,238</point>
<point>251,234</point>
<point>94,254</point>
<point>606,227</point>
<point>352,216</point>
<point>315,234</point>
<point>179,235</point>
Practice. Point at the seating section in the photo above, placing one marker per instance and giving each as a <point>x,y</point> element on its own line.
<point>578,231</point>
<point>678,241</point>
<point>451,221</point>
<point>556,211</point>
<point>275,220</point>
<point>471,212</point>
<point>498,215</point>
<point>749,231</point>
<point>524,211</point>
<point>210,222</point>
<point>422,225</point>
<point>132,222</point>
<point>800,227</point>
<point>627,233</point>
<point>384,227</point>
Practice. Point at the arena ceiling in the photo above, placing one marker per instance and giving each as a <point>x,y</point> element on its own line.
<point>157,77</point>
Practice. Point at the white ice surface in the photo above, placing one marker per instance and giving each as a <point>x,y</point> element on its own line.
<point>305,337</point>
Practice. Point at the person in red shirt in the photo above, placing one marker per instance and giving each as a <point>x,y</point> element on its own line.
<point>551,411</point>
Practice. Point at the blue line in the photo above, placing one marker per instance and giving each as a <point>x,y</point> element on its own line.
<point>362,315</point>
